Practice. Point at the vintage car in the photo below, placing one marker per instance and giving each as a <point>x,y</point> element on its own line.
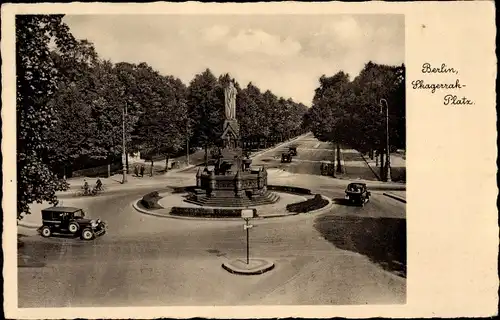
<point>292,151</point>
<point>72,221</point>
<point>357,193</point>
<point>286,157</point>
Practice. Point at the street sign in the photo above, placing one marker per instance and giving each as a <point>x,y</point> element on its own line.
<point>247,213</point>
<point>247,226</point>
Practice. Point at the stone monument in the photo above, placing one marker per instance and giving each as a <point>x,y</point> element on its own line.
<point>231,151</point>
<point>233,182</point>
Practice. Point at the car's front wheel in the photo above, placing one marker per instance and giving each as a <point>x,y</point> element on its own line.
<point>87,234</point>
<point>73,227</point>
<point>46,232</point>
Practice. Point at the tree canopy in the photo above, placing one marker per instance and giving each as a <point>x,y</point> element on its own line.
<point>349,112</point>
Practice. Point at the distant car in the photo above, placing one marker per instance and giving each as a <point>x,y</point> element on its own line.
<point>70,220</point>
<point>292,151</point>
<point>357,193</point>
<point>286,157</point>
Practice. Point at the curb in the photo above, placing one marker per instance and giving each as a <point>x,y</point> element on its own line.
<point>325,208</point>
<point>394,197</point>
<point>169,216</point>
<point>388,187</point>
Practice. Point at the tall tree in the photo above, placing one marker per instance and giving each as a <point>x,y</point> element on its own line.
<point>206,109</point>
<point>68,138</point>
<point>331,113</point>
<point>161,128</point>
<point>36,83</point>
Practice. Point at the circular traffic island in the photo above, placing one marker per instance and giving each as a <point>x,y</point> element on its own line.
<point>178,203</point>
<point>254,266</point>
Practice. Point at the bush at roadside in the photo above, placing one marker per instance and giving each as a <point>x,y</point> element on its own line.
<point>208,213</point>
<point>289,189</point>
<point>150,200</point>
<point>315,203</point>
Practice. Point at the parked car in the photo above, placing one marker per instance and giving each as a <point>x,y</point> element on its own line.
<point>357,193</point>
<point>72,221</point>
<point>286,157</point>
<point>292,151</point>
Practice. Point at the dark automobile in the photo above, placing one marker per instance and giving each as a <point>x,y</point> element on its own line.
<point>357,193</point>
<point>72,221</point>
<point>292,151</point>
<point>286,157</point>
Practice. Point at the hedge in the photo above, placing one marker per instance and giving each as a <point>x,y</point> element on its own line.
<point>290,189</point>
<point>101,171</point>
<point>315,203</point>
<point>188,189</point>
<point>208,213</point>
<point>150,200</point>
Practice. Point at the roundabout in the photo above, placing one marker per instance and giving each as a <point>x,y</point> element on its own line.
<point>337,255</point>
<point>174,205</point>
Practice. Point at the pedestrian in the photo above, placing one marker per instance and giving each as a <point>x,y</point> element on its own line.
<point>142,170</point>
<point>85,187</point>
<point>136,171</point>
<point>98,185</point>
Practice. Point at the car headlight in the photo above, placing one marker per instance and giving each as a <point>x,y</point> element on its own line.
<point>93,223</point>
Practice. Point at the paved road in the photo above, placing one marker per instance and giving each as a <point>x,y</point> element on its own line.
<point>351,255</point>
<point>311,153</point>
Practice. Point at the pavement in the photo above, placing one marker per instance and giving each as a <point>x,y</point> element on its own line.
<point>398,166</point>
<point>398,195</point>
<point>345,256</point>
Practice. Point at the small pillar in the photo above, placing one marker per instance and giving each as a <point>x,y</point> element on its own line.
<point>211,184</point>
<point>238,186</point>
<point>198,178</point>
<point>260,179</point>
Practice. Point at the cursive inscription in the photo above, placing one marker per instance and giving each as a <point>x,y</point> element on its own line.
<point>421,84</point>
<point>455,100</point>
<point>427,68</point>
<point>454,84</point>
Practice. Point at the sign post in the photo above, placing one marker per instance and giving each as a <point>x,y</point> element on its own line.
<point>247,214</point>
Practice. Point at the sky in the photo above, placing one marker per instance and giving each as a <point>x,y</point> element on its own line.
<point>283,53</point>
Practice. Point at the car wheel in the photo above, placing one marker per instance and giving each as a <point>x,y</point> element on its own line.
<point>73,227</point>
<point>46,232</point>
<point>87,234</point>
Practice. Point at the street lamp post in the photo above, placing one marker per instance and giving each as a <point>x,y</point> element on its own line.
<point>388,155</point>
<point>124,155</point>
<point>187,142</point>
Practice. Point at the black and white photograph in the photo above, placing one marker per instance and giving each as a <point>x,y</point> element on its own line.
<point>210,160</point>
<point>213,159</point>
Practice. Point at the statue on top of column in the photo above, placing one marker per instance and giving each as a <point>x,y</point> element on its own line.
<point>230,101</point>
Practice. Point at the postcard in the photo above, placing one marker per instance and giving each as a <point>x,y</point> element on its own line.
<point>249,160</point>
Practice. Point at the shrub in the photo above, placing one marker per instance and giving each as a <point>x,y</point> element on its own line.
<point>289,189</point>
<point>309,205</point>
<point>101,171</point>
<point>208,213</point>
<point>150,200</point>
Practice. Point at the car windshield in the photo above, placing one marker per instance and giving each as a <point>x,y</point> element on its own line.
<point>79,214</point>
